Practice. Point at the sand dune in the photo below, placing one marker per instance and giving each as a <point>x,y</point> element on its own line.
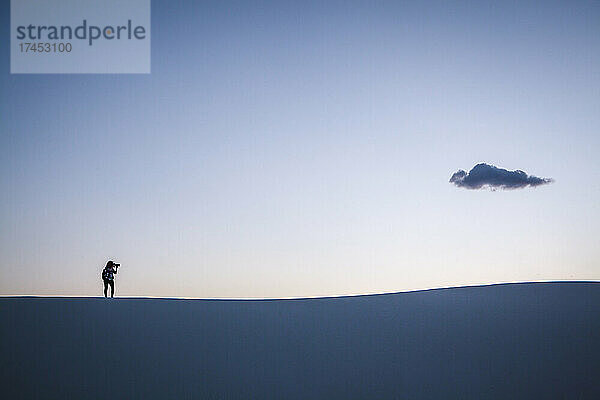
<point>516,341</point>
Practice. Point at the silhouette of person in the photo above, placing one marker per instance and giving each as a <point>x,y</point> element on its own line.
<point>108,277</point>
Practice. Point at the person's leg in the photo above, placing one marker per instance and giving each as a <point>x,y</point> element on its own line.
<point>105,288</point>
<point>112,288</point>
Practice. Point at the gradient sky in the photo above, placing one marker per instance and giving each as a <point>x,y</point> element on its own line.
<point>304,148</point>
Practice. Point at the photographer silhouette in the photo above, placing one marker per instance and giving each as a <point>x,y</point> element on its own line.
<point>108,277</point>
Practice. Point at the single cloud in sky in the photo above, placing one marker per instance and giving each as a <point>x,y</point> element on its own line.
<point>485,175</point>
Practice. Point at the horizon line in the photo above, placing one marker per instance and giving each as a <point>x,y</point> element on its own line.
<point>25,296</point>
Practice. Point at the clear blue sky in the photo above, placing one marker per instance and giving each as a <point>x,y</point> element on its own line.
<point>304,148</point>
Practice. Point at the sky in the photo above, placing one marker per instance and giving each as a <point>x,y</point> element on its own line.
<point>290,149</point>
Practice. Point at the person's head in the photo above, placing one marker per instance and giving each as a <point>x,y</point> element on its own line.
<point>110,264</point>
